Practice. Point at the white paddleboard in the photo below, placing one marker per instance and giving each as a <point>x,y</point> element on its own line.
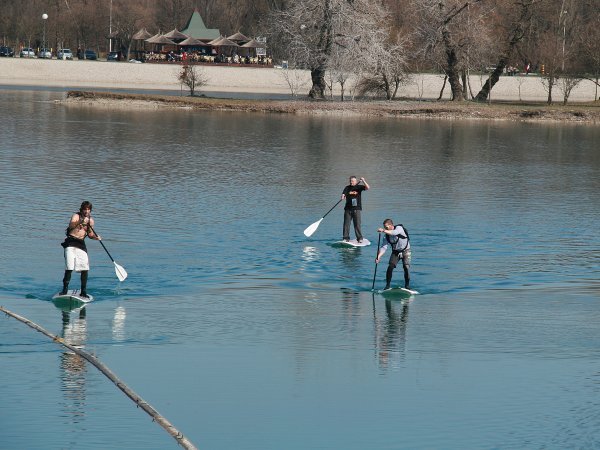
<point>398,292</point>
<point>354,243</point>
<point>73,294</point>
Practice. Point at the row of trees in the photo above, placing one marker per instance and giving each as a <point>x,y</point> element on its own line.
<point>377,42</point>
<point>382,42</point>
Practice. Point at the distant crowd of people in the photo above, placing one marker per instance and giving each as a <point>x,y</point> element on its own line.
<point>197,57</point>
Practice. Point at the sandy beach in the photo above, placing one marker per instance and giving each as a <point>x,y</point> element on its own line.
<point>87,75</point>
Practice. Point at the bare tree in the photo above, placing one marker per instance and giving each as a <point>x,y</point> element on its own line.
<point>387,62</point>
<point>514,17</point>
<point>310,29</point>
<point>566,85</point>
<point>448,39</point>
<point>556,43</point>
<point>589,44</point>
<point>193,77</point>
<point>294,77</point>
<point>127,19</point>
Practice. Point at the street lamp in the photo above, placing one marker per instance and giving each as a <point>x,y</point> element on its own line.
<point>44,18</point>
<point>564,23</point>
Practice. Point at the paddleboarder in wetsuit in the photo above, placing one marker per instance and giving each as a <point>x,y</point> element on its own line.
<point>76,257</point>
<point>397,237</point>
<point>352,195</point>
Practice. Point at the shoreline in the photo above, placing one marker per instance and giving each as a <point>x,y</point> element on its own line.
<point>265,89</point>
<point>406,108</point>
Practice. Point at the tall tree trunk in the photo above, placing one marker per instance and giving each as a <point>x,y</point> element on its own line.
<point>317,91</point>
<point>515,38</point>
<point>491,81</point>
<point>452,68</point>
<point>464,83</point>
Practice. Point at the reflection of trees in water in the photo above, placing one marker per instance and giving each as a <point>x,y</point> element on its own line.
<point>390,332</point>
<point>73,367</point>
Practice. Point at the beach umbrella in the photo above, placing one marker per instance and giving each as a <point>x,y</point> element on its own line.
<point>141,35</point>
<point>160,39</point>
<point>238,37</point>
<point>253,43</point>
<point>152,39</point>
<point>192,42</point>
<point>215,40</point>
<point>176,35</point>
<point>223,42</point>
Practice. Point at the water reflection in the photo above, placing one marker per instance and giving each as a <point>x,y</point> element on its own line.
<point>390,333</point>
<point>351,260</point>
<point>350,308</point>
<point>118,324</point>
<point>73,367</point>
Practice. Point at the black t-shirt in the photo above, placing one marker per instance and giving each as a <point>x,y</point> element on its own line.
<point>353,194</point>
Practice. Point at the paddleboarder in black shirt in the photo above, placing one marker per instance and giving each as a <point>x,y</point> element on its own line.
<point>352,195</point>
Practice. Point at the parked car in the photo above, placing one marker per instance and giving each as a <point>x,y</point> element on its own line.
<point>64,53</point>
<point>27,53</point>
<point>6,51</point>
<point>45,53</point>
<point>90,54</point>
<point>114,56</point>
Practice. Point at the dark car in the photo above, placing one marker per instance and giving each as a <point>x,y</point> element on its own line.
<point>90,54</point>
<point>6,51</point>
<point>114,56</point>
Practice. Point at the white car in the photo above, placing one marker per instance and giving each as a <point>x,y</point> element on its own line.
<point>45,53</point>
<point>27,53</point>
<point>64,53</point>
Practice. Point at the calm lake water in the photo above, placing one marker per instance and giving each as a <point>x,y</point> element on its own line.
<point>247,335</point>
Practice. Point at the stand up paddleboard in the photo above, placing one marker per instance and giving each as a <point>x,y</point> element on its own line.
<point>352,243</point>
<point>73,294</point>
<point>398,292</point>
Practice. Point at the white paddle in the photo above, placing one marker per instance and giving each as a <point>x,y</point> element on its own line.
<point>313,227</point>
<point>119,270</point>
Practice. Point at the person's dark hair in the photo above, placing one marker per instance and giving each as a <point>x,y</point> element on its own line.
<point>386,221</point>
<point>352,176</point>
<point>85,205</point>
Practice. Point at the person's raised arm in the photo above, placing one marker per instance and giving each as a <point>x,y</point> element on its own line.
<point>91,233</point>
<point>367,187</point>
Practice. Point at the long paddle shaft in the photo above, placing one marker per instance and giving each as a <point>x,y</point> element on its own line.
<point>313,227</point>
<point>119,270</point>
<point>376,255</point>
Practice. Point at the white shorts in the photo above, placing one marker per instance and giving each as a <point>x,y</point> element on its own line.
<point>76,259</point>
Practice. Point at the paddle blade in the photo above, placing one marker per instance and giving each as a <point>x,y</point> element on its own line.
<point>312,228</point>
<point>121,272</point>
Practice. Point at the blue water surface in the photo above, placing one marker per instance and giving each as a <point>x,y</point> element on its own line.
<point>246,334</point>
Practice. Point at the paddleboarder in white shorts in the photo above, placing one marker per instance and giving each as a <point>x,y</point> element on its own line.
<point>397,237</point>
<point>352,195</point>
<point>76,257</point>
